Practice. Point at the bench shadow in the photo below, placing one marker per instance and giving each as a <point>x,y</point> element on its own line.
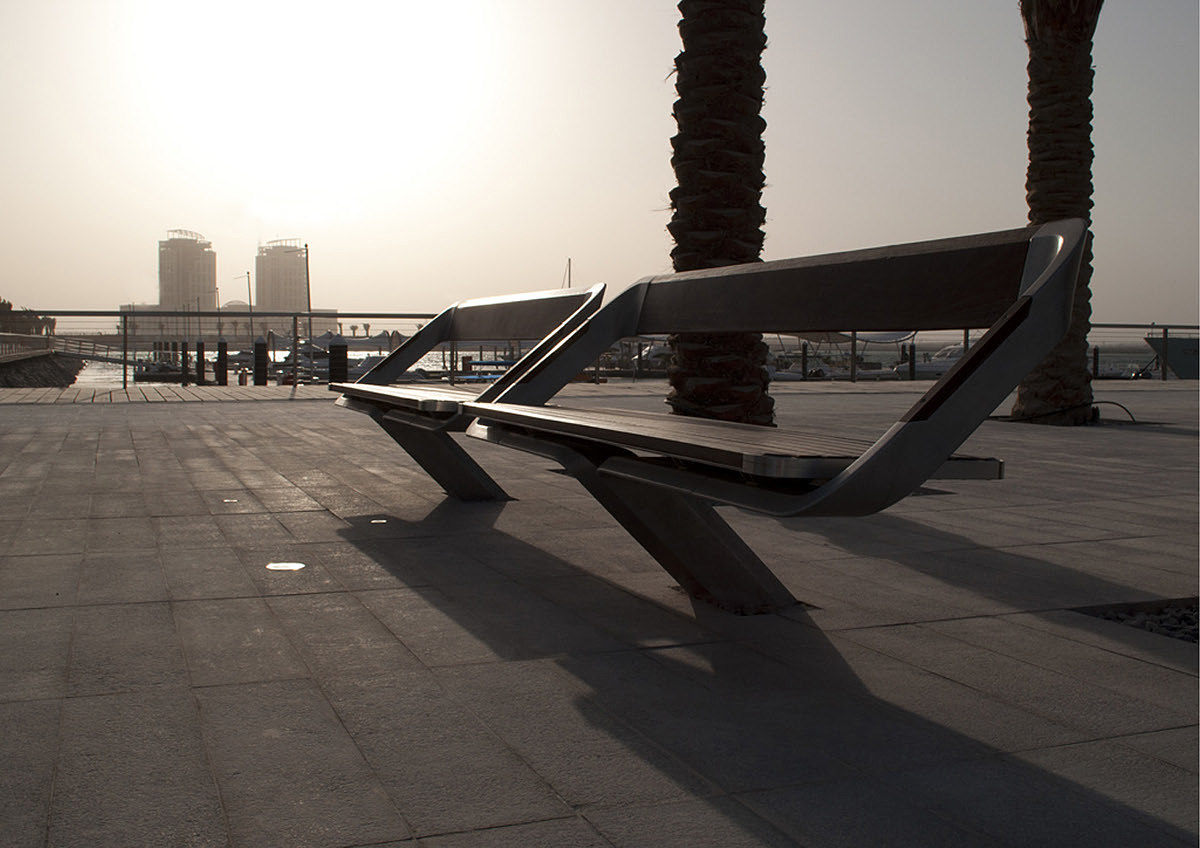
<point>750,730</point>
<point>1011,577</point>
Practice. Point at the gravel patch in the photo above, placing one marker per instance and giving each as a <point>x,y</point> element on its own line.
<point>1176,619</point>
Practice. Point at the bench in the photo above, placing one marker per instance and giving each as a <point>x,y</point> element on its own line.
<point>420,416</point>
<point>661,475</point>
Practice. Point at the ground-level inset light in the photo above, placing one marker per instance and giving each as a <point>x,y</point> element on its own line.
<point>284,566</point>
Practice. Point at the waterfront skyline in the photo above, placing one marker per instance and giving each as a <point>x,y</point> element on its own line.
<point>432,152</point>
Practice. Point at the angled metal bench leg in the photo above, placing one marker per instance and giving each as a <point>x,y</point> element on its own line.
<point>693,543</point>
<point>444,460</point>
<point>682,532</point>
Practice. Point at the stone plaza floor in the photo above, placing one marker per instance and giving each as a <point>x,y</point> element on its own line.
<point>523,674</point>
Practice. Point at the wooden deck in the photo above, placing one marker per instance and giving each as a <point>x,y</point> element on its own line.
<point>161,393</point>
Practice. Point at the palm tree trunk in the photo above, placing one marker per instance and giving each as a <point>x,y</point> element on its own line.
<point>1059,185</point>
<point>717,203</point>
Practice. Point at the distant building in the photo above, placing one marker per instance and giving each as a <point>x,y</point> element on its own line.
<point>187,272</point>
<point>281,285</point>
<point>281,276</point>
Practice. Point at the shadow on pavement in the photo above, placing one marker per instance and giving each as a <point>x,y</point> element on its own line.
<point>645,719</point>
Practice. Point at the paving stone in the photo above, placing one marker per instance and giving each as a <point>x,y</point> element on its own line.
<point>1179,746</point>
<point>556,833</point>
<point>285,498</point>
<point>1123,674</point>
<point>336,636</point>
<point>28,751</point>
<point>1018,804</point>
<point>501,618</point>
<point>122,577</point>
<point>1119,772</point>
<point>234,641</point>
<point>133,771</point>
<point>121,534</point>
<point>231,501</point>
<point>37,643</point>
<point>39,581</point>
<point>620,614</point>
<point>682,824</point>
<point>267,581</point>
<point>205,573</point>
<point>443,768</point>
<point>312,526</point>
<point>550,718</point>
<point>49,536</point>
<point>253,531</point>
<point>178,501</point>
<point>198,530</point>
<point>952,706</point>
<point>829,814</point>
<point>118,505</point>
<point>1060,698</point>
<point>289,774</point>
<point>124,647</point>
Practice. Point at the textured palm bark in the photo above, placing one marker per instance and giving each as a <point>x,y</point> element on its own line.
<point>717,204</point>
<point>1059,185</point>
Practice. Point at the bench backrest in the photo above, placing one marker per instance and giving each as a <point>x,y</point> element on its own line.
<point>535,315</point>
<point>942,285</point>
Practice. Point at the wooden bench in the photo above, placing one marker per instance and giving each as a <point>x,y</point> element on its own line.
<point>420,416</point>
<point>661,475</point>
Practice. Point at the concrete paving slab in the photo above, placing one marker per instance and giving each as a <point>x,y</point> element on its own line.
<point>50,535</point>
<point>337,636</point>
<point>39,581</point>
<point>1177,746</point>
<point>444,769</point>
<point>119,648</point>
<point>205,573</point>
<point>37,644</point>
<point>1118,673</point>
<point>829,815</point>
<point>1126,775</point>
<point>235,640</point>
<point>132,770</point>
<point>1001,799</point>
<point>1062,698</point>
<point>588,756</point>
<point>288,772</point>
<point>116,577</point>
<point>679,824</point>
<point>573,832</point>
<point>29,752</point>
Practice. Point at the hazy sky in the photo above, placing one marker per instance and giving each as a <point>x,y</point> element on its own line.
<point>430,151</point>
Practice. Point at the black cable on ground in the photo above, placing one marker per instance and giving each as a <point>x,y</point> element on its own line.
<point>1067,409</point>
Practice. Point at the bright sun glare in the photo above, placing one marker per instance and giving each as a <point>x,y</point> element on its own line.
<point>304,111</point>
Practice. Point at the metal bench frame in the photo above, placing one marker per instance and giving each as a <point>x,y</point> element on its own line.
<point>421,416</point>
<point>1019,283</point>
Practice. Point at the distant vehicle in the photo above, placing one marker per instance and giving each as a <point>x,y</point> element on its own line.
<point>1182,353</point>
<point>934,367</point>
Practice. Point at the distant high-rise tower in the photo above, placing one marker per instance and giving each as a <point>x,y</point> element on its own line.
<point>281,276</point>
<point>187,272</point>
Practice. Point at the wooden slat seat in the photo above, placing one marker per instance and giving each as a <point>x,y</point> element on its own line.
<point>744,448</point>
<point>418,397</point>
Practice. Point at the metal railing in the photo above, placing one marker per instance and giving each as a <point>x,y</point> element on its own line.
<point>132,339</point>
